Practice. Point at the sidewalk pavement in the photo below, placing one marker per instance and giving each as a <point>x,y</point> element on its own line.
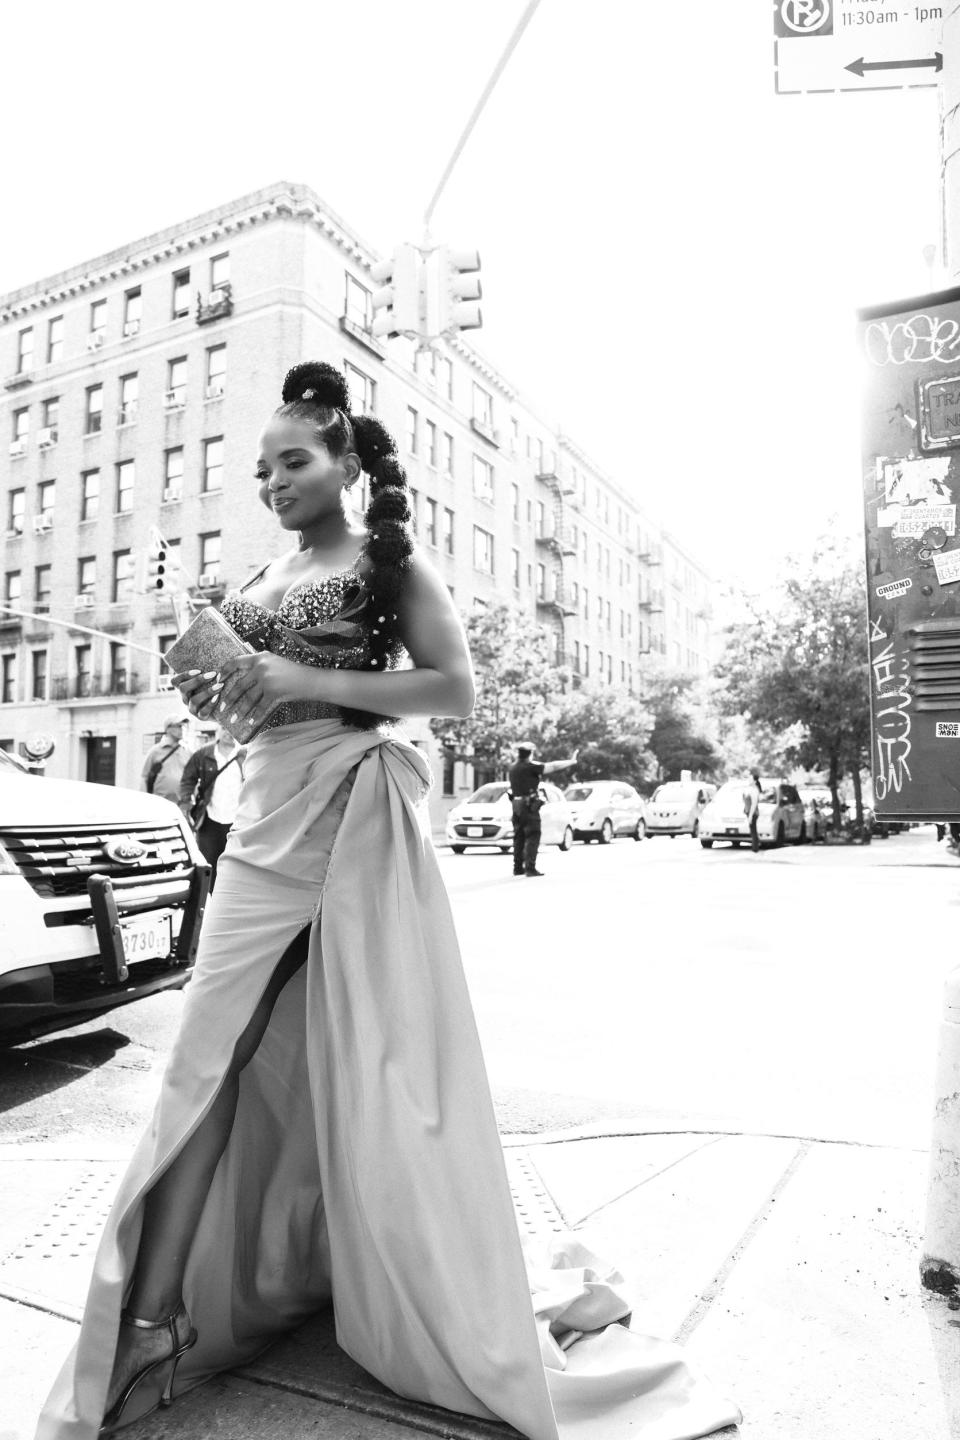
<point>787,1267</point>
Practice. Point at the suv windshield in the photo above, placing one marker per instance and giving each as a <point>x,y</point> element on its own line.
<point>488,794</point>
<point>674,790</point>
<point>579,792</point>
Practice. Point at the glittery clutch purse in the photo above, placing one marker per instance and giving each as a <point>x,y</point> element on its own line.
<point>207,644</point>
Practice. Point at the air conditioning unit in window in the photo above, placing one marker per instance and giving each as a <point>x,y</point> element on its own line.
<point>173,399</point>
<point>218,297</point>
<point>207,580</point>
<point>165,681</point>
<point>95,340</point>
<point>128,413</point>
<point>82,602</point>
<point>18,447</point>
<point>214,390</point>
<point>171,493</point>
<point>130,328</point>
<point>47,437</point>
<point>43,521</point>
<point>14,532</point>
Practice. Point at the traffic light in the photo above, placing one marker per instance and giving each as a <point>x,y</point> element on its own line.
<point>161,571</point>
<point>398,304</point>
<point>454,291</point>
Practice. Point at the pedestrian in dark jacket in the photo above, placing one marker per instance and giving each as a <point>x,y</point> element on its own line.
<point>209,793</point>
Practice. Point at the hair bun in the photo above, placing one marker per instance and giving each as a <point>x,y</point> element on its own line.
<point>326,382</point>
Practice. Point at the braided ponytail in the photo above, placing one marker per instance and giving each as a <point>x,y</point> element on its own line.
<point>318,392</point>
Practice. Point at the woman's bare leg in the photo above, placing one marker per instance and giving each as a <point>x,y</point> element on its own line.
<point>173,1206</point>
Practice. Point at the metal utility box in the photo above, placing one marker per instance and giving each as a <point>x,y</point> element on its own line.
<point>911,487</point>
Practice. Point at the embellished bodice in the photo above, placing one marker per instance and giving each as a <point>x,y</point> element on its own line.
<point>318,622</point>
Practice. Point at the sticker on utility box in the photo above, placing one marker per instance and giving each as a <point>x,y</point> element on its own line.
<point>947,566</point>
<point>896,587</point>
<point>913,520</point>
<point>948,729</point>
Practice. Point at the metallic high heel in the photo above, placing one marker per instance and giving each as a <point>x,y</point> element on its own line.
<point>113,1420</point>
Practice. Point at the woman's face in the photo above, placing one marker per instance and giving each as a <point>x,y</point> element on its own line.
<point>298,478</point>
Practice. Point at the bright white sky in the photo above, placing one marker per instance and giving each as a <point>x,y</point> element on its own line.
<point>671,252</point>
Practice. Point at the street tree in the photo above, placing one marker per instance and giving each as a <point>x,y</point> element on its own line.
<point>800,660</point>
<point>518,687</point>
<point>675,739</point>
<point>609,729</point>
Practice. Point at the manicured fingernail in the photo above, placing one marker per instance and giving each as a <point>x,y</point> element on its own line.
<point>191,672</point>
<point>222,705</point>
<point>207,674</point>
<point>233,718</point>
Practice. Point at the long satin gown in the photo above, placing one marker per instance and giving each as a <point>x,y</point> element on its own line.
<point>364,1165</point>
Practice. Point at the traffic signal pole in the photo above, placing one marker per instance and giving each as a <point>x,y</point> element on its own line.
<point>940,1262</point>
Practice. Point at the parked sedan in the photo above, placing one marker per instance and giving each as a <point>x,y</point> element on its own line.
<point>602,809</point>
<point>780,814</point>
<point>486,819</point>
<point>676,807</point>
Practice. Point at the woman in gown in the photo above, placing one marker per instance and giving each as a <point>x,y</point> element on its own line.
<point>324,1130</point>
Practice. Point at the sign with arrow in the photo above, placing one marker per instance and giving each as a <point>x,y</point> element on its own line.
<point>821,46</point>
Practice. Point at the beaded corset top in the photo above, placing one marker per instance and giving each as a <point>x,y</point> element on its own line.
<point>318,622</point>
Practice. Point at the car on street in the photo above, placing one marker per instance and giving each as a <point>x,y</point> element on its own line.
<point>780,815</point>
<point>676,806</point>
<point>102,891</point>
<point>817,811</point>
<point>603,809</point>
<point>486,819</point>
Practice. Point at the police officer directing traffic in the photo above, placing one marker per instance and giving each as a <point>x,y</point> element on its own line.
<point>525,776</point>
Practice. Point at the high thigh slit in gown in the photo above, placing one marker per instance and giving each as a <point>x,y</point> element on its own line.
<point>364,1166</point>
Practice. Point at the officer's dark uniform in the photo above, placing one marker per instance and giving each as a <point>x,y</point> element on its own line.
<point>525,777</point>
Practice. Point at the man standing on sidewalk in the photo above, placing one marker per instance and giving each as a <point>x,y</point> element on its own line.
<point>751,804</point>
<point>210,792</point>
<point>525,777</point>
<point>164,762</point>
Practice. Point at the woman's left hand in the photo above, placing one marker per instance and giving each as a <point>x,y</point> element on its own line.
<point>254,683</point>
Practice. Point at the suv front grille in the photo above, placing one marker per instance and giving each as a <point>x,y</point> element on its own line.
<point>58,863</point>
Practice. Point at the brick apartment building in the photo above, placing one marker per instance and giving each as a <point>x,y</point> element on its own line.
<point>133,389</point>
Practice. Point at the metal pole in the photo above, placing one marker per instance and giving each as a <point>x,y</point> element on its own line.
<point>499,68</point>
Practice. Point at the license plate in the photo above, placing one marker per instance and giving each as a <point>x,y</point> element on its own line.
<point>146,937</point>
<point>475,830</point>
<point>733,830</point>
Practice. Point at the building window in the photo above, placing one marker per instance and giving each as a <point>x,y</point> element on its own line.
<point>210,557</point>
<point>50,412</point>
<point>38,678</point>
<point>357,303</point>
<point>12,587</point>
<point>447,531</point>
<point>575,595</point>
<point>176,382</point>
<point>81,670</point>
<point>430,529</point>
<point>132,311</point>
<point>15,511</point>
<point>21,424</point>
<point>121,587</point>
<point>586,661</point>
<point>25,351</point>
<point>482,479</point>
<point>482,550</point>
<point>41,587</point>
<point>129,397</point>
<point>541,519</point>
<point>431,443</point>
<point>98,318</point>
<point>90,495</point>
<point>446,453</point>
<point>363,390</point>
<point>173,474</point>
<point>8,681</point>
<point>118,669</point>
<point>213,464</point>
<point>515,575</point>
<point>216,371</point>
<point>47,496</point>
<point>483,406</point>
<point>586,603</point>
<point>576,657</point>
<point>541,581</point>
<point>86,575</point>
<point>94,419</point>
<point>219,271</point>
<point>180,303</point>
<point>124,503</point>
<point>55,340</point>
<point>412,429</point>
<point>445,376</point>
<point>514,435</point>
<point>515,492</point>
<point>414,510</point>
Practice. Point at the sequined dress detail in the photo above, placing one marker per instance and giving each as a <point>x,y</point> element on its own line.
<point>318,622</point>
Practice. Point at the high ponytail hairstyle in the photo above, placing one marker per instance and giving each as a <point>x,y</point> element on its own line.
<point>317,392</point>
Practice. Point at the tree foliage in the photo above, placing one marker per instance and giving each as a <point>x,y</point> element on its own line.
<point>610,730</point>
<point>676,739</point>
<point>517,688</point>
<point>799,664</point>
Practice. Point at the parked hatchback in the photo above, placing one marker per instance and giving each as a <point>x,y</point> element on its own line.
<point>602,809</point>
<point>676,807</point>
<point>487,819</point>
<point>780,815</point>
